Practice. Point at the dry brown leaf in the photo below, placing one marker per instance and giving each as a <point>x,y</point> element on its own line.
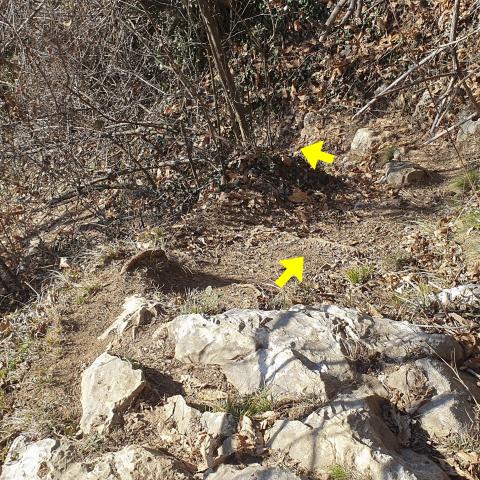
<point>5,327</point>
<point>298,196</point>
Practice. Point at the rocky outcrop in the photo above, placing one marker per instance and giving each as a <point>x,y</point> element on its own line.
<point>350,432</point>
<point>458,298</point>
<point>109,386</point>
<point>42,460</point>
<point>299,352</point>
<point>209,434</point>
<point>50,459</point>
<point>432,392</point>
<point>130,463</point>
<point>371,385</point>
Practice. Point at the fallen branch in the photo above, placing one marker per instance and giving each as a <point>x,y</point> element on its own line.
<point>334,13</point>
<point>416,82</point>
<point>449,129</point>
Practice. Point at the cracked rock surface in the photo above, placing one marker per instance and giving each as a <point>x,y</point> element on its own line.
<point>345,390</point>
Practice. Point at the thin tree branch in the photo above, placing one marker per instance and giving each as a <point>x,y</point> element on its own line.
<point>414,67</point>
<point>449,129</point>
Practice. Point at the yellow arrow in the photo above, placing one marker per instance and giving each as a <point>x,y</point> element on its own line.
<point>313,153</point>
<point>293,268</point>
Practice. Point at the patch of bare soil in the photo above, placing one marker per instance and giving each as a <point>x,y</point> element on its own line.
<point>47,397</point>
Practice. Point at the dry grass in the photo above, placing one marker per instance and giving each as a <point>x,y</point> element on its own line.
<point>294,293</point>
<point>201,301</point>
<point>466,182</point>
<point>464,441</point>
<point>467,234</point>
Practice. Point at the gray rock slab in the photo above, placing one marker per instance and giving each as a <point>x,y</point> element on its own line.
<point>109,386</point>
<point>50,459</point>
<point>252,472</point>
<point>400,173</point>
<point>353,436</point>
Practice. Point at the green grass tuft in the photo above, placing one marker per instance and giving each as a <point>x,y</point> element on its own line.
<point>469,220</point>
<point>337,472</point>
<point>249,405</point>
<point>360,274</point>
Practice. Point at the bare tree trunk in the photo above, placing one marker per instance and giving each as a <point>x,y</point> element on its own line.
<point>237,111</point>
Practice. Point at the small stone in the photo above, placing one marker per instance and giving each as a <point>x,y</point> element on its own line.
<point>458,298</point>
<point>403,173</point>
<point>363,141</point>
<point>136,311</point>
<point>469,130</point>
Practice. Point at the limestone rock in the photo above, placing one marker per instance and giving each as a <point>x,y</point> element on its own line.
<point>450,409</point>
<point>458,298</point>
<point>136,311</point>
<point>363,142</point>
<point>49,459</point>
<point>408,387</point>
<point>252,472</point>
<point>130,463</point>
<point>218,423</point>
<point>284,351</point>
<point>247,441</point>
<point>109,386</point>
<point>196,432</point>
<point>41,460</point>
<point>401,173</point>
<point>298,352</point>
<point>191,422</point>
<point>470,129</point>
<point>351,434</point>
